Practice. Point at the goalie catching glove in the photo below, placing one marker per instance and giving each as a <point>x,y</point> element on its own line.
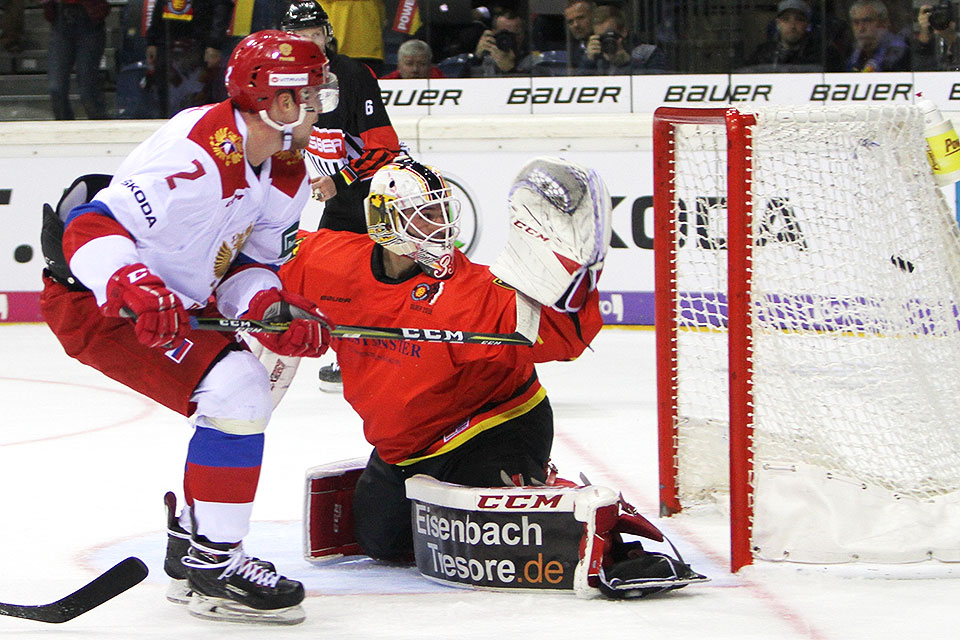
<point>560,229</point>
<point>309,332</point>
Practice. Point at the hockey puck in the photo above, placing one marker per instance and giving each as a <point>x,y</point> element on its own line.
<point>23,253</point>
<point>902,264</point>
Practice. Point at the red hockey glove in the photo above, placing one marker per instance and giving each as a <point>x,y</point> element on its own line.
<point>309,331</point>
<point>134,291</point>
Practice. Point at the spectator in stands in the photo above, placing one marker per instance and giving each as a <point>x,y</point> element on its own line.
<point>578,15</point>
<point>608,49</point>
<point>414,60</point>
<point>359,28</point>
<point>11,25</point>
<point>876,48</point>
<point>78,37</point>
<point>184,44</point>
<point>503,48</point>
<point>936,45</point>
<point>794,47</point>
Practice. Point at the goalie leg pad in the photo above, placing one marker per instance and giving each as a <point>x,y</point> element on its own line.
<point>538,537</point>
<point>328,510</point>
<point>501,538</point>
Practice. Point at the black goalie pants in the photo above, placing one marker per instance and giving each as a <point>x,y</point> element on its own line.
<point>381,509</point>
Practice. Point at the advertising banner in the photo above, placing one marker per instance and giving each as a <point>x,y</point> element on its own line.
<point>478,132</point>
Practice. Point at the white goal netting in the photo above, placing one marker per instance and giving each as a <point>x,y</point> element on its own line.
<point>855,364</point>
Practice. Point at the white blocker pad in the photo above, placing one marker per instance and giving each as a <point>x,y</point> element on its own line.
<point>560,217</point>
<point>505,538</point>
<point>328,510</point>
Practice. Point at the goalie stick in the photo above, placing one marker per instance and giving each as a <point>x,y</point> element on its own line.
<point>112,583</point>
<point>528,322</point>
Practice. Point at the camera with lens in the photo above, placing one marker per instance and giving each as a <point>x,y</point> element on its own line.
<point>942,15</point>
<point>609,43</point>
<point>505,40</point>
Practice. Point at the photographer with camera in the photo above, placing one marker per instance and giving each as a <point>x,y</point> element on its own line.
<point>936,43</point>
<point>607,49</point>
<point>502,49</point>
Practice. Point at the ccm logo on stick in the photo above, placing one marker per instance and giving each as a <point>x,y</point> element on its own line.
<point>437,335</point>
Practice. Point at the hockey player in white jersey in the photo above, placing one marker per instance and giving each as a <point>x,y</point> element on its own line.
<point>206,209</point>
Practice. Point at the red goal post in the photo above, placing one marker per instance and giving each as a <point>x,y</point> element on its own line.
<point>808,346</point>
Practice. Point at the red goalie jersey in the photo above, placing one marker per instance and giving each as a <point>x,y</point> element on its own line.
<point>421,399</point>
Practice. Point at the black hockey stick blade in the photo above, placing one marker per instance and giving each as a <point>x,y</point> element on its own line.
<point>113,582</point>
<point>358,332</point>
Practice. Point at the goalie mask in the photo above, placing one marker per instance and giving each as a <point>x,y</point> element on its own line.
<point>412,212</point>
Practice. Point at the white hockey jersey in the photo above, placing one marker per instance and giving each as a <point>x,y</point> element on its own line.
<point>193,203</point>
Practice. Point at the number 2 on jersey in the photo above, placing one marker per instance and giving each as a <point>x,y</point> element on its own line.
<point>186,175</point>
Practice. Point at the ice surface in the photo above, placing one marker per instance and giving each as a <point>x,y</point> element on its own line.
<point>84,464</point>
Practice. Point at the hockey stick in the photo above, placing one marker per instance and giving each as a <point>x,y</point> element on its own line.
<point>528,324</point>
<point>357,332</point>
<point>113,582</point>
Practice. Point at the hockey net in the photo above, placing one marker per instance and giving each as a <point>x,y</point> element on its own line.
<point>808,347</point>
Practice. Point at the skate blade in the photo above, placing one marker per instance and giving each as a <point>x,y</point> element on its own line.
<point>178,591</point>
<point>639,588</point>
<point>226,610</point>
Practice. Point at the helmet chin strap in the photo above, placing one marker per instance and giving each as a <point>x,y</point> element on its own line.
<point>285,129</point>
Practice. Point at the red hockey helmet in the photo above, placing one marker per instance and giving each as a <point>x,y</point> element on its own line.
<point>266,62</point>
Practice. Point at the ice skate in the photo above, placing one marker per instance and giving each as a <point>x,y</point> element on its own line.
<point>330,378</point>
<point>178,543</point>
<point>229,585</point>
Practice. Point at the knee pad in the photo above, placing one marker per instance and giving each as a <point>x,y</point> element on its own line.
<point>234,396</point>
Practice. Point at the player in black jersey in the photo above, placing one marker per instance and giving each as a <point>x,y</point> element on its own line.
<point>351,142</point>
<point>348,144</point>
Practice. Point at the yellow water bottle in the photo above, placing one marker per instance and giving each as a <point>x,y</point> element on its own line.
<point>943,143</point>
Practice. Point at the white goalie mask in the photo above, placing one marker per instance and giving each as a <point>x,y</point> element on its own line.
<point>412,212</point>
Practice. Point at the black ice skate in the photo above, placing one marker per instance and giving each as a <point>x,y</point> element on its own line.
<point>331,380</point>
<point>178,543</point>
<point>229,585</point>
